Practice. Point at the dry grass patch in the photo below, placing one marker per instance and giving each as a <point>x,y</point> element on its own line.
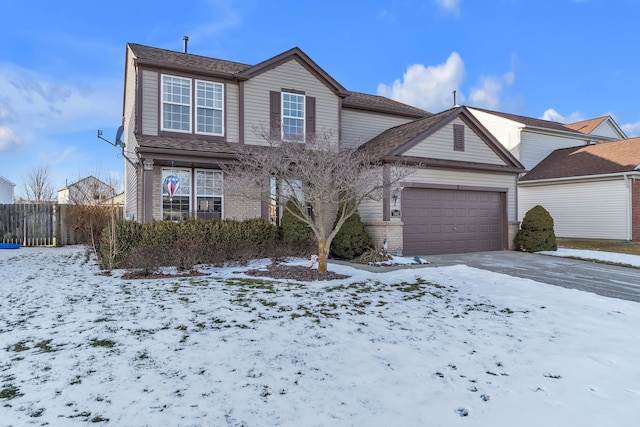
<point>618,246</point>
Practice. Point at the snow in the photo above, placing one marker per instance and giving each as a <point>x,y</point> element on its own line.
<point>625,259</point>
<point>432,346</point>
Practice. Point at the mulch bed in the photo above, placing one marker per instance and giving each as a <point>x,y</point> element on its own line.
<point>295,272</point>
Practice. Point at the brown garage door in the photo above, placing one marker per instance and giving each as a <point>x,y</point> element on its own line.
<point>451,221</point>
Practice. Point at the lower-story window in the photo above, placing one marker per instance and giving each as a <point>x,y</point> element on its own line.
<point>181,199</point>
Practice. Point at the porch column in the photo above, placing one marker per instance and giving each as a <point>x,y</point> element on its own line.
<point>147,191</point>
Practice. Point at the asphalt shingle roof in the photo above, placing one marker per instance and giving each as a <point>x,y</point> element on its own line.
<point>587,126</point>
<point>529,121</point>
<point>391,139</point>
<point>604,158</point>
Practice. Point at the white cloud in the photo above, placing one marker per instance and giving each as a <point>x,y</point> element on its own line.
<point>554,116</point>
<point>39,102</point>
<point>8,138</point>
<point>631,129</point>
<point>430,88</point>
<point>449,6</point>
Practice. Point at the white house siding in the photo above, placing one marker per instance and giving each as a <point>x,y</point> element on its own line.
<point>290,75</point>
<point>607,130</point>
<point>439,145</point>
<point>6,191</point>
<point>150,113</point>
<point>359,126</point>
<point>535,146</point>
<point>130,178</point>
<point>504,130</point>
<point>589,209</point>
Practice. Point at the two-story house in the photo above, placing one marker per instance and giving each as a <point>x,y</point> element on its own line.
<point>583,173</point>
<point>86,191</point>
<point>186,115</point>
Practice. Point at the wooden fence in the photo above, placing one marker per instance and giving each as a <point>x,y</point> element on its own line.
<point>36,225</point>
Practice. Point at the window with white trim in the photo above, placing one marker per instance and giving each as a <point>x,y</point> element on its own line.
<point>184,101</point>
<point>293,115</point>
<point>209,108</point>
<point>208,194</point>
<point>182,200</point>
<point>176,206</point>
<point>176,103</point>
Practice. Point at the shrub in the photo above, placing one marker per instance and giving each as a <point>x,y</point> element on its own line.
<point>352,240</point>
<point>536,231</point>
<point>117,242</point>
<point>291,228</point>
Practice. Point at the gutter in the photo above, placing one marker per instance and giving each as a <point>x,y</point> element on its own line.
<point>635,173</point>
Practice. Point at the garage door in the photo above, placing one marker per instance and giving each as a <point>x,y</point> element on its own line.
<point>451,221</point>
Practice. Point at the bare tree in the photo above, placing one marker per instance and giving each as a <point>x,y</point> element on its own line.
<point>326,182</point>
<point>36,186</point>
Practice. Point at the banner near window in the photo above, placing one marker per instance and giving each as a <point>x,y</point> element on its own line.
<point>171,185</point>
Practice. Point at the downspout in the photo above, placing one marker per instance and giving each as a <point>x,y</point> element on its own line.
<point>629,185</point>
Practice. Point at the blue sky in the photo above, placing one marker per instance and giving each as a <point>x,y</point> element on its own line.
<point>62,62</point>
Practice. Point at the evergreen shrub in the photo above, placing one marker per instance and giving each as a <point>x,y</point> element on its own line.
<point>291,228</point>
<point>352,240</point>
<point>536,231</point>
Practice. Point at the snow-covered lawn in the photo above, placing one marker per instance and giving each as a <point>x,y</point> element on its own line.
<point>415,347</point>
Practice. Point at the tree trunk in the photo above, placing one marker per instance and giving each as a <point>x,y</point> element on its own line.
<point>322,256</point>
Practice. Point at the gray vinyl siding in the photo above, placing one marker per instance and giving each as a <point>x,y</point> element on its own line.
<point>537,146</point>
<point>371,211</point>
<point>290,75</point>
<point>359,127</point>
<point>439,145</point>
<point>588,209</point>
<point>150,103</point>
<point>231,112</point>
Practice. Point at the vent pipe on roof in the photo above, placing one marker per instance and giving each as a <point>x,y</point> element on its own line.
<point>186,40</point>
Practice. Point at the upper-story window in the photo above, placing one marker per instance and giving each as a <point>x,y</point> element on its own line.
<point>293,115</point>
<point>209,107</point>
<point>176,104</point>
<point>178,110</point>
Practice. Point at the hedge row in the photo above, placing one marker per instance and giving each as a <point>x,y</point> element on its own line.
<point>118,242</point>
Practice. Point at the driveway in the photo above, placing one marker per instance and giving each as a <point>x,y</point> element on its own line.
<point>602,279</point>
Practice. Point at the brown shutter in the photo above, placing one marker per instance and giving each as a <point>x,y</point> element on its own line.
<point>310,112</point>
<point>458,137</point>
<point>274,115</point>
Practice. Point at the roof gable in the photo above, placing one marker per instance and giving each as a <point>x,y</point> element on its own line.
<point>604,158</point>
<point>2,178</point>
<point>298,55</point>
<point>399,141</point>
<point>600,126</point>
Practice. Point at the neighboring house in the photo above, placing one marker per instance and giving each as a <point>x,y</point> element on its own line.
<point>591,191</point>
<point>6,191</point>
<point>185,115</point>
<point>531,140</point>
<point>87,191</point>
